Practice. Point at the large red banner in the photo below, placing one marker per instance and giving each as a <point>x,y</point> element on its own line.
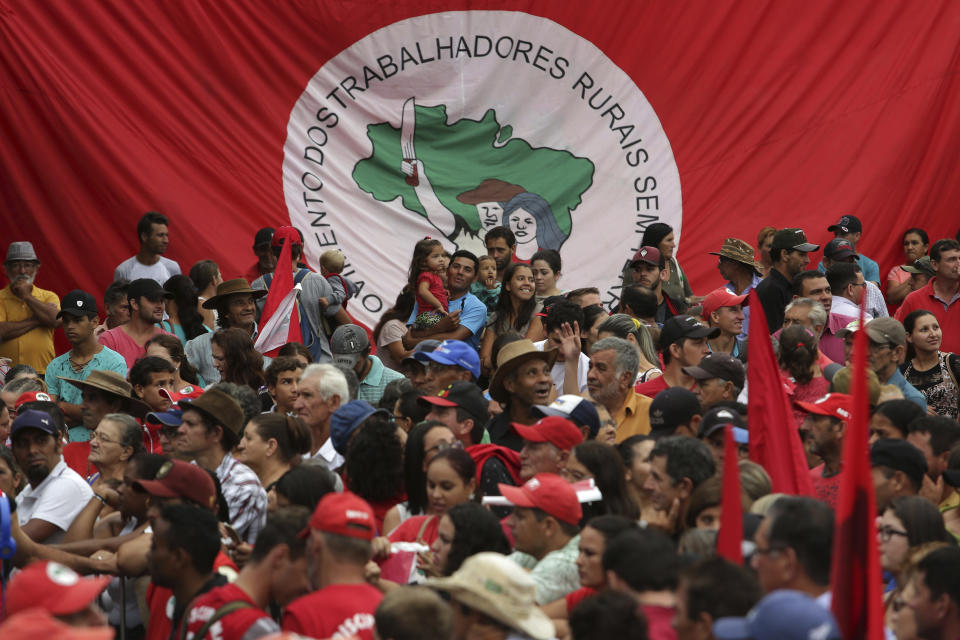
<point>741,114</point>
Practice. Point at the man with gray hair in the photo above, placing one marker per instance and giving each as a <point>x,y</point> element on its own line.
<point>28,314</point>
<point>323,388</point>
<point>613,369</point>
<point>807,313</point>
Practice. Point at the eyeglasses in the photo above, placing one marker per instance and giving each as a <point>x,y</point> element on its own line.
<point>96,435</point>
<point>886,532</point>
<point>879,346</point>
<point>768,551</point>
<point>441,446</point>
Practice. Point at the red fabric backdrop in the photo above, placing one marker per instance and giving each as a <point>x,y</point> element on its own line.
<point>781,113</point>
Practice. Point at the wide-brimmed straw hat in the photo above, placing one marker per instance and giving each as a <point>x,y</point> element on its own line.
<point>113,383</point>
<point>510,358</point>
<point>497,587</point>
<point>739,251</point>
<point>230,287</point>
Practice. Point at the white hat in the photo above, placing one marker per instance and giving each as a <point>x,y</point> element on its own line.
<point>497,587</point>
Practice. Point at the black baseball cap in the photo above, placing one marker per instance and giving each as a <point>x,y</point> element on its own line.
<point>672,407</point>
<point>463,394</point>
<point>793,239</point>
<point>78,303</point>
<point>838,249</point>
<point>900,455</point>
<point>718,365</point>
<point>718,418</point>
<point>684,326</point>
<point>264,236</point>
<point>847,224</point>
<point>146,288</point>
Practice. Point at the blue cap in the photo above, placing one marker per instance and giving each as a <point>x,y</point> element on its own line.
<point>172,417</point>
<point>346,419</point>
<point>455,352</point>
<point>34,419</point>
<point>781,615</point>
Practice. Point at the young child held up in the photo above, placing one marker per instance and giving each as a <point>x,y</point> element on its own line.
<point>331,268</point>
<point>428,277</point>
<point>486,287</point>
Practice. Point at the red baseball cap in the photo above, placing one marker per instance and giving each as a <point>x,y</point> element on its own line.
<point>345,514</point>
<point>54,588</point>
<point>548,492</point>
<point>721,298</point>
<point>189,392</point>
<point>179,479</point>
<point>31,396</point>
<point>37,623</point>
<point>558,431</point>
<point>838,405</point>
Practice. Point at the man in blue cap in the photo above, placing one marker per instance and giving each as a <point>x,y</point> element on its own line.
<point>782,615</point>
<point>56,494</point>
<point>452,360</point>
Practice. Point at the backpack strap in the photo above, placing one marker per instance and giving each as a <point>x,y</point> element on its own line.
<point>225,610</point>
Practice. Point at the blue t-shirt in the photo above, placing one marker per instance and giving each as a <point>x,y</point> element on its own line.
<point>106,360</point>
<point>473,316</point>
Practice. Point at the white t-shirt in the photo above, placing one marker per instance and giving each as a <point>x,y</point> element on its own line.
<point>58,499</point>
<point>558,372</point>
<point>132,269</point>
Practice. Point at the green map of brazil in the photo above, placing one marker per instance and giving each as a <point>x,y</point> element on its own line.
<point>470,176</point>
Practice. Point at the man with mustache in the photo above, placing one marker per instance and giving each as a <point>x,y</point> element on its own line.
<point>28,314</point>
<point>154,234</point>
<point>56,493</point>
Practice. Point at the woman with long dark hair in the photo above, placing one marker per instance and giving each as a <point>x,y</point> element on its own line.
<point>235,357</point>
<point>374,465</point>
<point>908,522</point>
<point>424,441</point>
<point>592,459</point>
<point>184,321</point>
<point>934,373</point>
<point>464,530</point>
<point>516,310</point>
<point>389,332</point>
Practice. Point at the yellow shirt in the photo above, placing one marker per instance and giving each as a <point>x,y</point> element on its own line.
<point>35,347</point>
<point>633,419</point>
<point>951,502</point>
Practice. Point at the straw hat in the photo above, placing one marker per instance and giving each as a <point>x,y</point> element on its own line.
<point>497,587</point>
<point>230,287</point>
<point>510,358</point>
<point>737,250</point>
<point>113,383</point>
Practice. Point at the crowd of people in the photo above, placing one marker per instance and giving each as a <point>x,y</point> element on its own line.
<point>498,457</point>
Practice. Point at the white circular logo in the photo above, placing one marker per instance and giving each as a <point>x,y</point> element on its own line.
<point>449,124</point>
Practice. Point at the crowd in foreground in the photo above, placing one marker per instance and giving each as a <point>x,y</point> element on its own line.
<point>497,458</point>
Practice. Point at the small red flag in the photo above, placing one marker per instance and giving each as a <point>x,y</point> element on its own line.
<point>774,441</point>
<point>855,576</point>
<point>730,536</point>
<point>280,320</point>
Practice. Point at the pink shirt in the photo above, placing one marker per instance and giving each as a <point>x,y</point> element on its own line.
<point>121,342</point>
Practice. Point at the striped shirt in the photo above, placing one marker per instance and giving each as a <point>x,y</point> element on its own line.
<point>245,496</point>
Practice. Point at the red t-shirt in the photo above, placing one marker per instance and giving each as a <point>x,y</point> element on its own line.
<point>160,602</point>
<point>339,611</point>
<point>826,489</point>
<point>651,388</point>
<point>576,597</point>
<point>949,318</point>
<point>76,455</point>
<point>233,625</point>
<point>659,622</point>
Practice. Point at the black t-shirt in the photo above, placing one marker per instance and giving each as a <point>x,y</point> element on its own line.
<point>775,293</point>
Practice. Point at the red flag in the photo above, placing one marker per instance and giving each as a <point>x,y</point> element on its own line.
<point>774,440</point>
<point>280,320</point>
<point>855,577</point>
<point>730,537</point>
